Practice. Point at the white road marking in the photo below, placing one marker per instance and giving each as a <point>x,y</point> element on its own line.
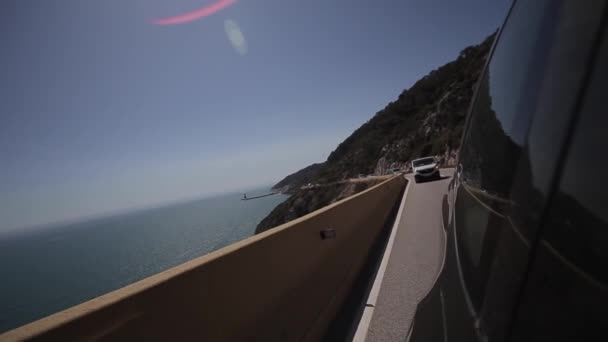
<point>366,319</point>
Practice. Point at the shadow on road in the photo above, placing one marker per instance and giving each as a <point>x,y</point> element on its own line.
<point>442,177</point>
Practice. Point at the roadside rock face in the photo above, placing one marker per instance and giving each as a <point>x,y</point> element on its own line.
<point>426,119</point>
<point>449,157</point>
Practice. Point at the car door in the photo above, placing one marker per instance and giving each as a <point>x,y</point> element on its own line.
<point>565,297</point>
<point>516,132</point>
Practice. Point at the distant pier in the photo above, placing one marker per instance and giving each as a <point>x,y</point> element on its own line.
<point>245,198</point>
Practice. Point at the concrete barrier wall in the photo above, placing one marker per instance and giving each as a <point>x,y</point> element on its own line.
<point>285,284</point>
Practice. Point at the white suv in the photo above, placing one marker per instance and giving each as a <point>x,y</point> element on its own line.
<point>425,168</point>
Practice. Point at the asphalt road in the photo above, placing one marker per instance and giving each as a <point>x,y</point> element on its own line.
<point>413,263</point>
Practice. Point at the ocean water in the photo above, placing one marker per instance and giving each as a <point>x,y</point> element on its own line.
<point>48,270</point>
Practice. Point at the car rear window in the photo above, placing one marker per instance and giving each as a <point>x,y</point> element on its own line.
<point>422,162</point>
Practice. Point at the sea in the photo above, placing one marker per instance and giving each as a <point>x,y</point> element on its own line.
<point>47,270</point>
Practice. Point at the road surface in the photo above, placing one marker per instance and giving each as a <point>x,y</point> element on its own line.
<point>413,263</point>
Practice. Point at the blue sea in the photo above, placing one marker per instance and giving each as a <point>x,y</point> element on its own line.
<point>50,269</point>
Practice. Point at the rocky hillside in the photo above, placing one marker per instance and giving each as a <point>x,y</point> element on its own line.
<point>426,119</point>
<point>296,180</point>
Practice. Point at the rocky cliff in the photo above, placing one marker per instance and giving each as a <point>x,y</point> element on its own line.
<point>426,119</point>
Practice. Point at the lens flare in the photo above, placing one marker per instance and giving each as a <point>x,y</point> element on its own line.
<point>195,15</point>
<point>235,36</point>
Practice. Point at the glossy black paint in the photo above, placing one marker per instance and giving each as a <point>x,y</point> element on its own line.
<point>566,293</point>
<point>521,213</point>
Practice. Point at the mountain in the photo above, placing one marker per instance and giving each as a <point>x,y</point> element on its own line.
<point>426,119</point>
<point>299,179</point>
<point>305,201</point>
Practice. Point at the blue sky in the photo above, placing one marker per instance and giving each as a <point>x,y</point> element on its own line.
<point>101,110</point>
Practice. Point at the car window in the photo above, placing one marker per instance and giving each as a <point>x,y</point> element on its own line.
<point>422,162</point>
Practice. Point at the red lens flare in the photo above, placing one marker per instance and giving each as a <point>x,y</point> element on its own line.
<point>195,15</point>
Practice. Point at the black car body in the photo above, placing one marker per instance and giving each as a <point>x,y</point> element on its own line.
<point>526,214</point>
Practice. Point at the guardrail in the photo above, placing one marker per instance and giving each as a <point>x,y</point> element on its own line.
<point>285,284</point>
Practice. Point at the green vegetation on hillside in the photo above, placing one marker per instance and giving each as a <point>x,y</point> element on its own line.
<point>426,119</point>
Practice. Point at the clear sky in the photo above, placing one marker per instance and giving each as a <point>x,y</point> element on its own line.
<point>102,109</point>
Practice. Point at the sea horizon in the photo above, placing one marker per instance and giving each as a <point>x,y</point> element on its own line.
<point>24,230</point>
<point>50,269</point>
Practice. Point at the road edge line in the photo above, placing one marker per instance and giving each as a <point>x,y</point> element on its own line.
<point>370,303</point>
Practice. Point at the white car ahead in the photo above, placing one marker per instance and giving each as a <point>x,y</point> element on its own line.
<point>425,169</point>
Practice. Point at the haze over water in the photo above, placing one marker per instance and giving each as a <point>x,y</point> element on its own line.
<point>51,269</point>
